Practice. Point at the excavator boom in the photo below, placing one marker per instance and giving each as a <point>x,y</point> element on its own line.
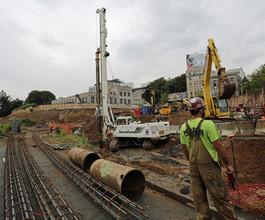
<point>225,87</point>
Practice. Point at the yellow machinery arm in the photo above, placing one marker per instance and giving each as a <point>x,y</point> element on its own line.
<point>216,107</point>
<point>225,87</point>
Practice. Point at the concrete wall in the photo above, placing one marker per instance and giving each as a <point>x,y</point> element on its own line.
<point>68,106</point>
<point>237,128</point>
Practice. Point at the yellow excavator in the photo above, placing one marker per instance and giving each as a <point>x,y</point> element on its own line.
<point>216,107</point>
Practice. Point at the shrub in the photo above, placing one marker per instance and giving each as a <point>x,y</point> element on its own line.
<point>28,122</point>
<point>4,128</point>
<point>26,106</point>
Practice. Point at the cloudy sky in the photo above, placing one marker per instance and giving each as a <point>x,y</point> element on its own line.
<point>50,44</point>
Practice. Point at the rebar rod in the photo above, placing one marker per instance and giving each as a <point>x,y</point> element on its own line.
<point>17,204</point>
<point>52,204</point>
<point>117,205</point>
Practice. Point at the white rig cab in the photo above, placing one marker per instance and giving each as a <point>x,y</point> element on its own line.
<point>124,131</point>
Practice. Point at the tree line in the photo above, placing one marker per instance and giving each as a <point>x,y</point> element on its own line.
<point>7,105</point>
<point>163,87</point>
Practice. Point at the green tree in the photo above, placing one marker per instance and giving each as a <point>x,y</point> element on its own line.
<point>40,97</point>
<point>163,87</point>
<point>5,103</point>
<point>257,81</point>
<point>163,99</point>
<point>16,103</point>
<point>177,84</point>
<point>158,86</point>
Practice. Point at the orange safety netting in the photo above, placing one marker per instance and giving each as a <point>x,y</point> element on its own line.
<point>250,197</point>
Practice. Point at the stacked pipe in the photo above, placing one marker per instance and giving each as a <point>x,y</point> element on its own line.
<point>16,199</point>
<point>50,201</point>
<point>117,205</point>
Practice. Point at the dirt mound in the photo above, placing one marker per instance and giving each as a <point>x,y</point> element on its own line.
<point>39,116</point>
<point>76,115</point>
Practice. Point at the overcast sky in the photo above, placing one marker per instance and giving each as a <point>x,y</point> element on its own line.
<point>50,44</point>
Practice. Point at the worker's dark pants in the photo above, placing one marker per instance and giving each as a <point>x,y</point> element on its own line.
<point>208,176</point>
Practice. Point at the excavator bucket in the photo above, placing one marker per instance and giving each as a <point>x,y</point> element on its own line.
<point>226,90</point>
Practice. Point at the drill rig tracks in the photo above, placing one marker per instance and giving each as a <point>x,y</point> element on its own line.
<point>17,203</point>
<point>117,205</point>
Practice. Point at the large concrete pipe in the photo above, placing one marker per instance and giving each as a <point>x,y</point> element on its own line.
<point>82,158</point>
<point>125,180</point>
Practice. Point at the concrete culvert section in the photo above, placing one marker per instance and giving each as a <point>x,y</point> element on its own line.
<point>125,180</point>
<point>82,158</point>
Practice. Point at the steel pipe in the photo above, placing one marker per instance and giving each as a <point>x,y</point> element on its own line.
<point>125,180</point>
<point>82,158</point>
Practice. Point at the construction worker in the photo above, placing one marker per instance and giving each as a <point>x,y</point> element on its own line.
<point>201,144</point>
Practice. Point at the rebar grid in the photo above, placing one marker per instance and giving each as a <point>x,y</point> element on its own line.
<point>117,205</point>
<point>16,199</point>
<point>51,202</point>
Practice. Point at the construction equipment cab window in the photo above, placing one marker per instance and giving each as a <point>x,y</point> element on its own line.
<point>216,107</point>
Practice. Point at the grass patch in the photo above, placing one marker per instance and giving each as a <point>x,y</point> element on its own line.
<point>26,106</point>
<point>62,137</point>
<point>4,128</point>
<point>27,122</point>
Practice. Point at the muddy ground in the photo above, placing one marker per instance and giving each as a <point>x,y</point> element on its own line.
<point>248,151</point>
<point>166,163</point>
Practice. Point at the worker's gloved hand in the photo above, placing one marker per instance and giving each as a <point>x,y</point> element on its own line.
<point>229,169</point>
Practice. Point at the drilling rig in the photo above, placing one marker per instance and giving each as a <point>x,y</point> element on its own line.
<point>123,131</point>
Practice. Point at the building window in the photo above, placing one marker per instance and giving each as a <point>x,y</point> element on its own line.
<point>129,101</point>
<point>129,94</point>
<point>120,101</point>
<point>120,93</point>
<point>86,99</point>
<point>125,101</point>
<point>92,99</point>
<point>124,93</point>
<point>214,84</point>
<point>115,100</point>
<point>110,100</point>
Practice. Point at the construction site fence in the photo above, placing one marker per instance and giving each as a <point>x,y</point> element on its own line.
<point>251,100</point>
<point>68,106</point>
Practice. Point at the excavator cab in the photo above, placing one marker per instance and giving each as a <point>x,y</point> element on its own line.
<point>222,105</point>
